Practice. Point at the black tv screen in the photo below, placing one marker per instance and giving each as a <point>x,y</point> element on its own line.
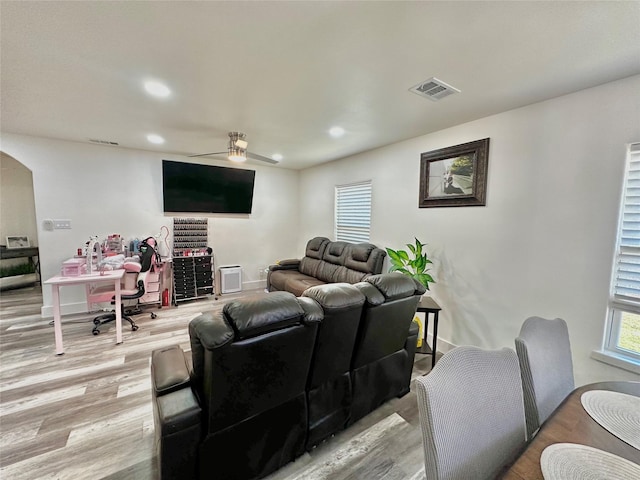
<point>189,187</point>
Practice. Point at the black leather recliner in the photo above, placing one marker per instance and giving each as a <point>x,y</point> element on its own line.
<point>386,343</point>
<point>329,387</point>
<point>242,413</point>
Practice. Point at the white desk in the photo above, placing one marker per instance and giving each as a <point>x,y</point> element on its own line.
<point>111,276</point>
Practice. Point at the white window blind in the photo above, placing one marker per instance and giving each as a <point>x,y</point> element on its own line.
<point>353,212</point>
<point>626,288</point>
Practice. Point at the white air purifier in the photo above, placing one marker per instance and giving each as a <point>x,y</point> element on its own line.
<point>231,279</point>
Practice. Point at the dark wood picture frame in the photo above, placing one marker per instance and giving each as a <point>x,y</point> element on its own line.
<point>454,176</point>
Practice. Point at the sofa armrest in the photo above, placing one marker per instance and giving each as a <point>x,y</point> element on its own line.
<point>178,424</point>
<point>288,264</point>
<point>169,370</point>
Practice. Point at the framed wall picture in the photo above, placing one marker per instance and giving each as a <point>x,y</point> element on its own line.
<point>454,176</point>
<point>18,241</point>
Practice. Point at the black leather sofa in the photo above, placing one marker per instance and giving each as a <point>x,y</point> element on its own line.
<point>326,262</point>
<point>275,375</point>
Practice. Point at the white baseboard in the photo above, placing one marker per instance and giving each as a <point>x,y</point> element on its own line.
<point>65,309</point>
<point>254,285</point>
<point>442,346</point>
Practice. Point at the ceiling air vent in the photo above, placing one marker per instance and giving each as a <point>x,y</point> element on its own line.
<point>433,89</point>
<point>103,142</point>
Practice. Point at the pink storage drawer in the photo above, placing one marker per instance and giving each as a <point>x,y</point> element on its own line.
<point>73,267</point>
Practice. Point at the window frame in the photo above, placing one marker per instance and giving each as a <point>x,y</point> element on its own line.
<point>619,303</point>
<point>338,227</point>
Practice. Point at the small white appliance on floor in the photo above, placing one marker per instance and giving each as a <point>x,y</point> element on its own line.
<point>230,279</point>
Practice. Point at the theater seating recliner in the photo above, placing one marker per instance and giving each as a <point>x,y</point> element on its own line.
<point>274,375</point>
<point>242,411</point>
<point>386,344</point>
<point>326,262</point>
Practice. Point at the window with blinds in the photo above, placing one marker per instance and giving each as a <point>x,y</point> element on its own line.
<point>622,338</point>
<point>626,288</point>
<point>353,212</point>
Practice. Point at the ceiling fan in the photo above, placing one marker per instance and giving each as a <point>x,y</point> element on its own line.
<point>237,150</point>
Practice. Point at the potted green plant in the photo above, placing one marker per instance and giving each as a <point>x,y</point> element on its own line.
<point>17,276</point>
<point>415,265</point>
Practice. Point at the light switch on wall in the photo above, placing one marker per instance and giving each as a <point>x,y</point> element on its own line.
<point>61,224</point>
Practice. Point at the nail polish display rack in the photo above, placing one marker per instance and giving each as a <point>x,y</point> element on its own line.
<point>193,266</point>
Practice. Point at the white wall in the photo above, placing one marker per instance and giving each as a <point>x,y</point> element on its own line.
<point>105,190</point>
<point>543,245</point>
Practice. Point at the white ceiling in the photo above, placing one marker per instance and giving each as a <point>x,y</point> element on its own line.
<point>285,72</point>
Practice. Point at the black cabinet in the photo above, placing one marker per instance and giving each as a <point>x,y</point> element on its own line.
<point>192,277</point>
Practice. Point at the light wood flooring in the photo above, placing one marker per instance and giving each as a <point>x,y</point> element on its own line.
<point>87,414</point>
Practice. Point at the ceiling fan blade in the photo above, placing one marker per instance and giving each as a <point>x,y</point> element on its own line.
<point>207,154</point>
<point>255,156</point>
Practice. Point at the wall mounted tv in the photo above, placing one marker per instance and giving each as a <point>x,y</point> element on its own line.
<point>194,188</point>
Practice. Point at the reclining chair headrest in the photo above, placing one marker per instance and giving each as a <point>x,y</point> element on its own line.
<point>315,247</point>
<point>396,285</point>
<point>253,316</point>
<point>335,295</point>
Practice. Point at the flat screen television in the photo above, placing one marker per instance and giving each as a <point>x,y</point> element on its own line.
<point>194,188</point>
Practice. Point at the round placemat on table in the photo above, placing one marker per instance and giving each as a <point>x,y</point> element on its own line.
<point>570,461</point>
<point>618,412</point>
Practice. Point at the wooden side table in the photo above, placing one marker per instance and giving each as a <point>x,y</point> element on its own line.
<point>428,305</point>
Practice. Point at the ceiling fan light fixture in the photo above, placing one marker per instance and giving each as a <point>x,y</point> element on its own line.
<point>237,155</point>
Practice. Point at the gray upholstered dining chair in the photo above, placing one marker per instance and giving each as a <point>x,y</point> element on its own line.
<point>544,353</point>
<point>471,414</point>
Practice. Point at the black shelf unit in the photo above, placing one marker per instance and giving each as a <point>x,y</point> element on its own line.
<point>192,270</point>
<point>192,277</point>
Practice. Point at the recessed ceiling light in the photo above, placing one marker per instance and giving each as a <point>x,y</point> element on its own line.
<point>277,157</point>
<point>153,138</point>
<point>157,89</point>
<point>336,132</point>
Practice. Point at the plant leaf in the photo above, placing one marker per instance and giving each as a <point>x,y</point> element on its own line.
<point>395,257</point>
<point>412,248</point>
<point>418,248</point>
<point>403,255</point>
<point>424,279</point>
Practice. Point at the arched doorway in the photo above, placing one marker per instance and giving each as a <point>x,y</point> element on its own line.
<point>18,228</point>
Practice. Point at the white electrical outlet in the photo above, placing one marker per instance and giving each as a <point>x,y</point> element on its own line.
<point>61,224</point>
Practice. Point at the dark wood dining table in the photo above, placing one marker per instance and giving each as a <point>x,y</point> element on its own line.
<point>570,423</point>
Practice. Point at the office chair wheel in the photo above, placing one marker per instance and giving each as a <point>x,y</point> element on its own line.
<point>134,328</point>
<point>153,315</point>
<point>95,331</point>
<point>96,321</point>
